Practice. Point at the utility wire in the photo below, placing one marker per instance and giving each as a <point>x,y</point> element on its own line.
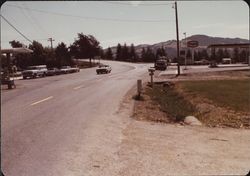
<point>93,18</point>
<point>15,28</point>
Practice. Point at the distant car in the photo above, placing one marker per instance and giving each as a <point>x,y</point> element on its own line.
<point>103,69</point>
<point>65,69</point>
<point>34,71</point>
<point>53,71</point>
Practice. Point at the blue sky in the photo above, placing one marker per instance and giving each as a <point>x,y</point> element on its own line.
<point>138,22</point>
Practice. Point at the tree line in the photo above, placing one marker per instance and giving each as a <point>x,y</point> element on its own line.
<point>84,47</point>
<point>88,47</point>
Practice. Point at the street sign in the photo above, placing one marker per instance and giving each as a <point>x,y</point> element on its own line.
<point>192,44</point>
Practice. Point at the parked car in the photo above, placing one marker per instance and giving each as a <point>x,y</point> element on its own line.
<point>103,69</point>
<point>75,69</point>
<point>53,71</point>
<point>35,71</point>
<point>65,69</point>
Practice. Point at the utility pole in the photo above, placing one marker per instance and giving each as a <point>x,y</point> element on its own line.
<point>177,36</point>
<point>51,40</point>
<point>185,51</point>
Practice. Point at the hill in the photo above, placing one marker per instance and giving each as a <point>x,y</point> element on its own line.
<point>170,45</point>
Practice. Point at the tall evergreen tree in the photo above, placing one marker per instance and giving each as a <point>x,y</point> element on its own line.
<point>143,54</point>
<point>149,56</point>
<point>132,53</point>
<point>125,53</point>
<point>236,55</point>
<point>226,54</point>
<point>219,55</point>
<point>119,52</point>
<point>109,54</point>
<point>243,56</point>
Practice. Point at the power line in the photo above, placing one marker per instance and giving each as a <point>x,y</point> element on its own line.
<point>34,20</point>
<point>93,18</point>
<point>15,28</point>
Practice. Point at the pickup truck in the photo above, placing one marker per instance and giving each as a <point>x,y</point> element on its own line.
<point>35,71</point>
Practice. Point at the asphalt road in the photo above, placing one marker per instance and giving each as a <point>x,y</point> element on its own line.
<point>78,125</point>
<point>62,125</point>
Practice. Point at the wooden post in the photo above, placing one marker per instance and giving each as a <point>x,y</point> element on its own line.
<point>139,87</point>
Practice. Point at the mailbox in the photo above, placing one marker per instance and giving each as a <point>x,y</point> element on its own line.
<point>151,71</point>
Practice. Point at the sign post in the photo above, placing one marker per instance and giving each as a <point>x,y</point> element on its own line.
<point>192,44</point>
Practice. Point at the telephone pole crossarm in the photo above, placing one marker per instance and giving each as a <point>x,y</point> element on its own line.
<point>51,40</point>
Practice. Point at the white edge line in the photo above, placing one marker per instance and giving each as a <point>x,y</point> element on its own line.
<point>41,101</point>
<point>75,88</point>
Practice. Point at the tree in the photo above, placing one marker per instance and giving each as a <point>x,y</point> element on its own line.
<point>243,56</point>
<point>204,54</point>
<point>38,55</point>
<point>16,44</point>
<point>21,58</point>
<point>143,54</point>
<point>86,46</point>
<point>63,55</point>
<point>226,54</point>
<point>236,55</point>
<point>109,54</point>
<point>125,53</point>
<point>160,52</point>
<point>219,55</point>
<point>189,55</point>
<point>50,58</point>
<point>118,52</point>
<point>149,56</point>
<point>132,53</point>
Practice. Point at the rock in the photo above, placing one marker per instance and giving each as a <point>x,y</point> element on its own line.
<point>191,120</point>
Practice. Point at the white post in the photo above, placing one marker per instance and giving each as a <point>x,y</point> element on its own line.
<point>139,87</point>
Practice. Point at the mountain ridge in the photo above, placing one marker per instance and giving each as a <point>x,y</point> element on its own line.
<point>170,45</point>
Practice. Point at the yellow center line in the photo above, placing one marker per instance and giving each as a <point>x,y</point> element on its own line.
<point>41,101</point>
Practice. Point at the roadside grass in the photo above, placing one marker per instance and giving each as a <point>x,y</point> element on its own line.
<point>233,94</point>
<point>171,102</point>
